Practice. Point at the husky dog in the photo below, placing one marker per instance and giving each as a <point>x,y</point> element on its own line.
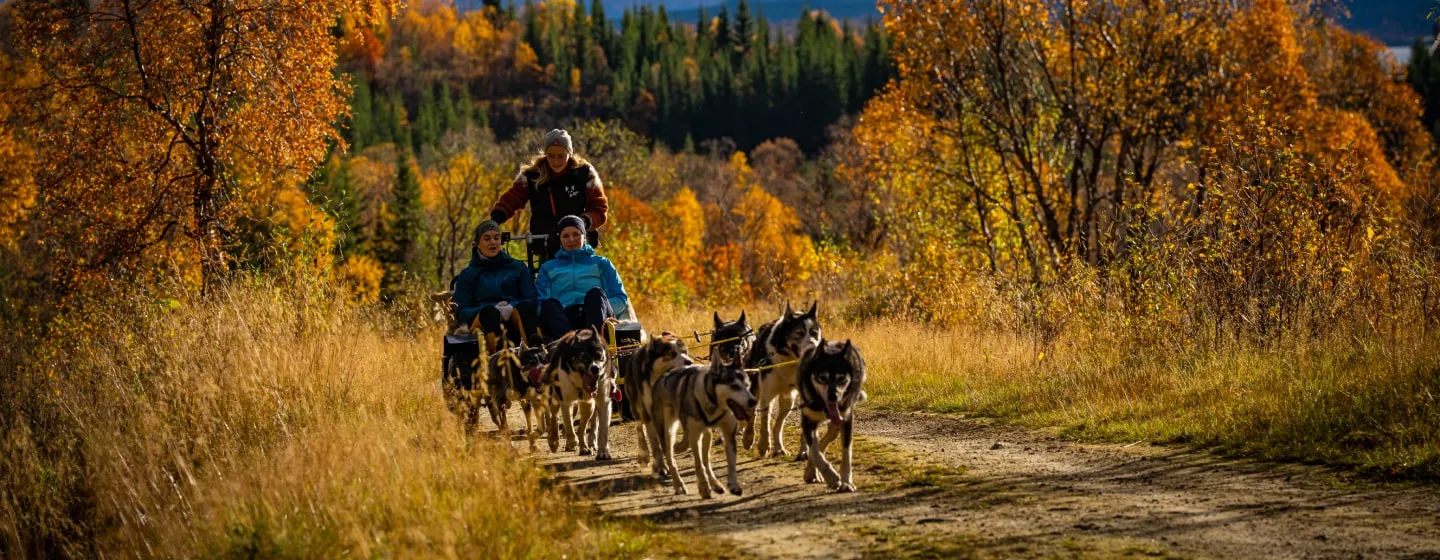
<point>831,382</point>
<point>663,353</point>
<point>579,373</point>
<point>731,341</point>
<point>515,375</point>
<point>783,340</point>
<point>698,398</point>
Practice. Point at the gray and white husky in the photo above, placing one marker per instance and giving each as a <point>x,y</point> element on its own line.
<point>698,398</point>
<point>831,381</point>
<point>785,339</point>
<point>579,373</point>
<point>663,353</point>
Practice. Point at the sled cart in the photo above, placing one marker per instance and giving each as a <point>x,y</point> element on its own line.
<point>460,372</point>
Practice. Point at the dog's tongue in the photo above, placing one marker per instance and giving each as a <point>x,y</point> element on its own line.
<point>534,375</point>
<point>833,410</point>
<point>740,413</point>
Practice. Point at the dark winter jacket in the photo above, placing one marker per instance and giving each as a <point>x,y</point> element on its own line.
<point>576,192</point>
<point>488,281</point>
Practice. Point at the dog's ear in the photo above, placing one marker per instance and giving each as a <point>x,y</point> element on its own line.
<point>718,322</point>
<point>524,345</point>
<point>788,311</point>
<point>742,317</point>
<point>811,312</point>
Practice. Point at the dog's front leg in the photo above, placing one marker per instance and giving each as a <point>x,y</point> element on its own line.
<point>567,423</point>
<point>847,484</point>
<point>807,436</point>
<point>666,429</point>
<point>786,399</point>
<point>642,441</point>
<point>705,444</point>
<point>817,458</point>
<point>729,428</point>
<point>602,404</point>
<point>552,428</point>
<point>693,433</point>
<point>529,409</point>
<point>762,417</point>
<point>587,433</point>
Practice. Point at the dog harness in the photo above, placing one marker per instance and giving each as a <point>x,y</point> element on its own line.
<point>714,401</point>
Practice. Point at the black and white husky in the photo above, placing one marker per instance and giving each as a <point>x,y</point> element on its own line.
<point>663,353</point>
<point>699,398</point>
<point>515,376</point>
<point>783,340</point>
<point>579,373</point>
<point>831,382</point>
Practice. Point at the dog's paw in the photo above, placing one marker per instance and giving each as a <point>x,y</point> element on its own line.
<point>762,450</point>
<point>810,477</point>
<point>602,455</point>
<point>680,490</point>
<point>735,489</point>
<point>584,451</point>
<point>569,447</point>
<point>845,487</point>
<point>801,456</point>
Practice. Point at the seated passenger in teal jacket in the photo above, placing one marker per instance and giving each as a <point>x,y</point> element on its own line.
<point>577,288</point>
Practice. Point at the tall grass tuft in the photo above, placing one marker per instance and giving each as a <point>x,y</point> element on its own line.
<point>266,421</point>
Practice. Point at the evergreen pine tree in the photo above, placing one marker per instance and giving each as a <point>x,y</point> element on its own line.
<point>449,116</point>
<point>744,30</point>
<point>723,40</point>
<point>402,231</point>
<point>1423,73</point>
<point>362,115</point>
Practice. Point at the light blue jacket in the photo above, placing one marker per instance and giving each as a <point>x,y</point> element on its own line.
<point>571,274</point>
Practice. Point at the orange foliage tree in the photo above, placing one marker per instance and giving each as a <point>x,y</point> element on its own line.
<point>144,112</point>
<point>1035,139</point>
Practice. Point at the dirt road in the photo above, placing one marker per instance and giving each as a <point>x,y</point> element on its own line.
<point>934,486</point>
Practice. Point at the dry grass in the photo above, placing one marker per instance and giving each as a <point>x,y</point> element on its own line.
<point>265,423</point>
<point>1361,401</point>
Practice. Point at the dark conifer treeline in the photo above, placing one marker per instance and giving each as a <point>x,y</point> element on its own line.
<point>736,76</point>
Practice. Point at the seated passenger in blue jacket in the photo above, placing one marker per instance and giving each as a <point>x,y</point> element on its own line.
<point>577,288</point>
<point>495,288</point>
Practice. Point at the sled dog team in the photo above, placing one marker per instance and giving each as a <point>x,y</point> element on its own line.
<point>568,383</point>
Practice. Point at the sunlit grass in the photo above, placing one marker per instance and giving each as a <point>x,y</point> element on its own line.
<point>262,424</point>
<point>1350,399</point>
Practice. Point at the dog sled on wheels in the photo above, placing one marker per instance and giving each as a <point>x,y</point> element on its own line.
<point>467,388</point>
<point>740,393</point>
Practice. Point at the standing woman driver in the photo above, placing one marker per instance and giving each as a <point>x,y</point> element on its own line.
<point>577,288</point>
<point>556,184</point>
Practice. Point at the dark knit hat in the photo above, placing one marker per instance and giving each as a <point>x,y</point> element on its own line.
<point>570,221</point>
<point>487,225</point>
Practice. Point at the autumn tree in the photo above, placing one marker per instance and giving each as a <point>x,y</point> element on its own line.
<point>144,110</point>
<point>457,197</point>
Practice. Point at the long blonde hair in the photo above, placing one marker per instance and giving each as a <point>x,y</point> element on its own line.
<point>543,166</point>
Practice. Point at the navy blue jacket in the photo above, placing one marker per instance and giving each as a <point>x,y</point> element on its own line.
<point>490,281</point>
